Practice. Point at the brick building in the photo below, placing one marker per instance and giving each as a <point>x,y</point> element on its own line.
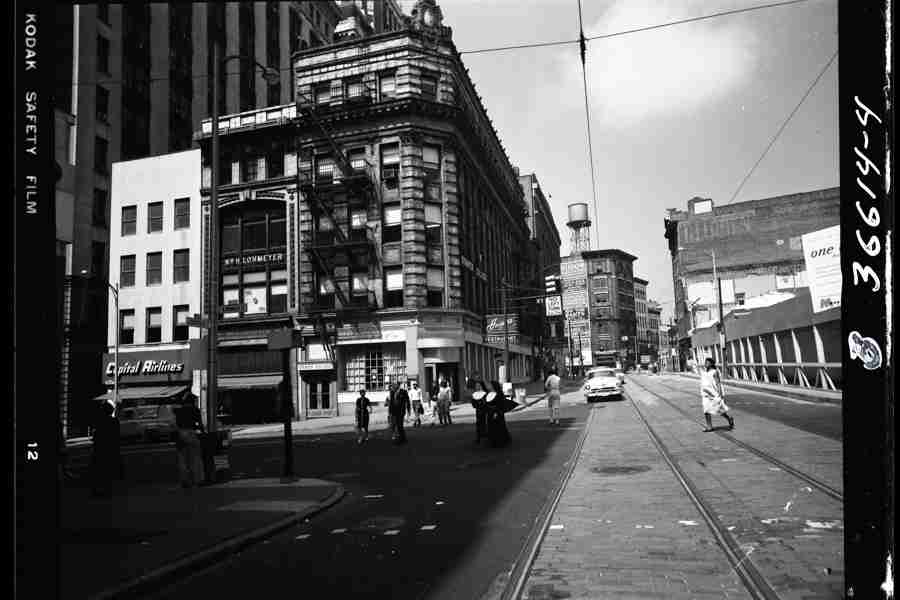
<point>379,216</point>
<point>642,319</point>
<point>757,250</point>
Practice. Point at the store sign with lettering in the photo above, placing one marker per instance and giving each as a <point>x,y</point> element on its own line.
<point>144,367</point>
<point>254,259</point>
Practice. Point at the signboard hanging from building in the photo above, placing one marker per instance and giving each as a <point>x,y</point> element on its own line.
<point>553,306</point>
<point>496,325</point>
<point>822,254</point>
<point>573,278</point>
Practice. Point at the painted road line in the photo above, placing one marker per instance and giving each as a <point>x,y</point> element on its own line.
<point>392,532</point>
<point>341,530</point>
<point>302,536</point>
<point>373,496</point>
<point>557,527</point>
<point>427,527</point>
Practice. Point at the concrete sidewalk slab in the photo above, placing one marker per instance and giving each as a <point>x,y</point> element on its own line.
<point>147,535</point>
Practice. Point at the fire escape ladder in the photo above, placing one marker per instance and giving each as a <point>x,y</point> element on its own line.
<point>322,332</point>
<point>340,159</point>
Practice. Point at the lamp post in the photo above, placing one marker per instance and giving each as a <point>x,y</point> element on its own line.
<point>115,292</point>
<point>271,75</point>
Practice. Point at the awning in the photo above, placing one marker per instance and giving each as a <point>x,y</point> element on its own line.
<point>249,382</point>
<point>131,393</point>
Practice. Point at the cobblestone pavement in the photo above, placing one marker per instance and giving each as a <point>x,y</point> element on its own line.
<point>625,528</point>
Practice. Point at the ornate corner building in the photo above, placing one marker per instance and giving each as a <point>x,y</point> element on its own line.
<point>379,215</point>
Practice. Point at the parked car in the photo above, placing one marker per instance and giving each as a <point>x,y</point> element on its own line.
<point>602,383</point>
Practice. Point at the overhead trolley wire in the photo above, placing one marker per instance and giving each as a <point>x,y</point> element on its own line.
<point>781,129</point>
<point>582,42</point>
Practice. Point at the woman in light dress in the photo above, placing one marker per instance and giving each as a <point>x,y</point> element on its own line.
<point>713,395</point>
<point>552,387</point>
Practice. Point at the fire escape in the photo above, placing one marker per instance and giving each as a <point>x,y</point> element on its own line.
<point>344,203</point>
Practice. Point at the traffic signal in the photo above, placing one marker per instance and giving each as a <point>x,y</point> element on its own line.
<point>552,284</point>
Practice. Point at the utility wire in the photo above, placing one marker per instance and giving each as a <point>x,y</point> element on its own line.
<point>780,129</point>
<point>587,114</point>
<point>637,30</point>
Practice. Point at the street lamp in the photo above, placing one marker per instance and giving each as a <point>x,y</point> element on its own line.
<point>115,291</point>
<point>271,75</point>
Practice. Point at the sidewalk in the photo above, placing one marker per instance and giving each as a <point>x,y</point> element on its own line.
<point>800,393</point>
<point>146,535</point>
<point>619,528</point>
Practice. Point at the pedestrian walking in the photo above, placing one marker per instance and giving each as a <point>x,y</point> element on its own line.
<point>444,397</point>
<point>189,422</point>
<point>552,388</point>
<point>713,395</point>
<point>363,409</point>
<point>498,433</point>
<point>415,397</point>
<point>399,409</point>
<point>106,459</point>
<point>479,402</point>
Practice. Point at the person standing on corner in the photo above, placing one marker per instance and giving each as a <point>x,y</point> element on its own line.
<point>399,409</point>
<point>415,397</point>
<point>552,388</point>
<point>480,404</point>
<point>712,393</point>
<point>189,421</point>
<point>363,408</point>
<point>445,396</point>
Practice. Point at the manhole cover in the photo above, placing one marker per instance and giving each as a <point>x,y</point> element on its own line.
<point>380,523</point>
<point>620,470</point>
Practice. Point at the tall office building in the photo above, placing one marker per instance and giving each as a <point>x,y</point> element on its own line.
<point>131,82</point>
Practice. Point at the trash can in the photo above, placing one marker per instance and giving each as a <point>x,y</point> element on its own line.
<point>216,463</point>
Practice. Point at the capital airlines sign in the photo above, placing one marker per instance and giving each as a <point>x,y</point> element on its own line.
<point>144,367</point>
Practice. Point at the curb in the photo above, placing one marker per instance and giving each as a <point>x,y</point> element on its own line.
<point>787,393</point>
<point>170,572</point>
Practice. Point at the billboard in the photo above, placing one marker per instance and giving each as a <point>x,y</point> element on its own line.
<point>553,305</point>
<point>496,325</point>
<point>822,253</point>
<point>573,278</point>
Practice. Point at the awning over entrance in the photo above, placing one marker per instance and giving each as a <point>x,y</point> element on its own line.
<point>144,392</point>
<point>249,382</point>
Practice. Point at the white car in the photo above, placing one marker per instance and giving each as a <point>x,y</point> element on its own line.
<point>602,384</point>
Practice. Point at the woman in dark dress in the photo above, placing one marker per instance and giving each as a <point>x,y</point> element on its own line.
<point>363,408</point>
<point>479,402</point>
<point>496,422</point>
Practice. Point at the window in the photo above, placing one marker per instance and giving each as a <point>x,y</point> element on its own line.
<point>98,258</point>
<point>739,298</point>
<point>322,93</point>
<point>325,290</point>
<point>431,157</point>
<point>433,223</point>
<point>126,326</point>
<point>102,104</point>
<point>225,175</point>
<point>359,284</point>
<point>275,162</point>
<point>601,298</point>
<point>182,213</point>
<point>99,212</point>
<point>181,262</point>
<point>126,270</point>
<point>354,88</point>
<point>357,159</point>
<point>129,220</point>
<point>154,268</point>
<point>179,323</point>
<point>278,296</point>
<point>101,155</point>
<point>392,231</point>
<point>231,234</point>
<point>277,232</point>
<point>154,325</point>
<point>374,368</point>
<point>154,217</point>
<point>434,279</point>
<point>324,168</point>
<point>390,163</point>
<point>429,87</point>
<point>393,287</point>
<point>255,234</point>
<point>250,168</point>
<point>387,86</point>
<point>601,283</point>
<point>102,54</point>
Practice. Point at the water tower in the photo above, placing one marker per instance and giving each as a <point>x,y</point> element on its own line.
<point>580,224</point>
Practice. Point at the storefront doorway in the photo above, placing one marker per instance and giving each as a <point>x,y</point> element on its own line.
<point>320,400</point>
<point>434,372</point>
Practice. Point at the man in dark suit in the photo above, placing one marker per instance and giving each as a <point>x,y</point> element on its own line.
<point>399,408</point>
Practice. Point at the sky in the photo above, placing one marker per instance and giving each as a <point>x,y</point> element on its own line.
<point>675,112</point>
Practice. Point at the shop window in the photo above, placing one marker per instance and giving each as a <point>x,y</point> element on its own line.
<point>392,231</point>
<point>129,220</point>
<point>154,325</point>
<point>99,212</point>
<point>154,217</point>
<point>255,300</point>
<point>181,265</point>
<point>387,86</point>
<point>126,326</point>
<point>374,369</point>
<point>126,270</point>
<point>393,287</point>
<point>182,213</point>
<point>179,323</point>
<point>231,298</point>
<point>435,285</point>
<point>154,268</point>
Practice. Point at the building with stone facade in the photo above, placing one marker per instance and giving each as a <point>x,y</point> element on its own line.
<point>379,216</point>
<point>757,248</point>
<point>642,320</point>
<point>654,311</point>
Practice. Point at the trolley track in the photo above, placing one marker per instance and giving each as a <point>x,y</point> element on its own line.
<point>812,481</point>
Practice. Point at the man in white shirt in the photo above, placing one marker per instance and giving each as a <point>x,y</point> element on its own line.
<point>552,387</point>
<point>415,397</point>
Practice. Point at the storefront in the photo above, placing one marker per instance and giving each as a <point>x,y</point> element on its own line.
<point>149,374</point>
